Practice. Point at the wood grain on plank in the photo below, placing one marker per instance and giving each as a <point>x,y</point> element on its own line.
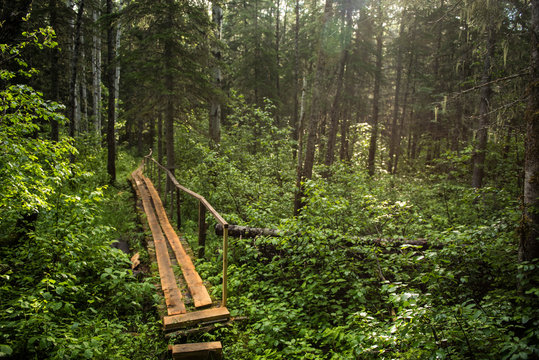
<point>173,296</point>
<point>209,350</point>
<point>201,297</point>
<point>195,317</point>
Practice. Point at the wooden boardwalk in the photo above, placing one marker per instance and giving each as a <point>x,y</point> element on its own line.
<point>178,317</point>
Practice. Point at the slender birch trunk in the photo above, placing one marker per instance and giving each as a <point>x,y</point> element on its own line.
<point>55,89</point>
<point>395,134</point>
<point>376,93</point>
<point>96,71</point>
<point>74,103</point>
<point>83,91</point>
<point>111,135</point>
<point>215,110</point>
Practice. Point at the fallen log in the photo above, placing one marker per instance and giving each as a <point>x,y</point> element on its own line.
<point>251,232</point>
<point>246,231</point>
<point>423,243</point>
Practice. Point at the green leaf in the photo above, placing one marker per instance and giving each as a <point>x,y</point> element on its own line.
<point>5,350</point>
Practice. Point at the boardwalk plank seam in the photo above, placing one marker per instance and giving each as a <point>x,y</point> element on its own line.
<point>173,296</point>
<point>201,297</point>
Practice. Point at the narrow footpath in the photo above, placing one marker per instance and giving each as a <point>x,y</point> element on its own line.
<point>168,247</point>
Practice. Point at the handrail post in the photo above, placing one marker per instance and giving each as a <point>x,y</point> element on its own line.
<point>159,180</point>
<point>178,212</point>
<point>225,263</point>
<point>171,201</point>
<point>167,182</point>
<point>201,229</point>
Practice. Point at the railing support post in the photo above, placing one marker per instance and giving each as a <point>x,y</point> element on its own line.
<point>225,264</point>
<point>159,180</point>
<point>171,201</point>
<point>178,212</point>
<point>167,185</point>
<point>201,229</point>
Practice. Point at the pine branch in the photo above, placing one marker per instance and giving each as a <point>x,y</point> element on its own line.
<point>477,87</point>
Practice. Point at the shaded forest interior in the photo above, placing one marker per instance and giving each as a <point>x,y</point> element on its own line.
<point>345,131</point>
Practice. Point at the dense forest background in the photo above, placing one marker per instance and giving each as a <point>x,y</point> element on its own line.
<point>338,122</point>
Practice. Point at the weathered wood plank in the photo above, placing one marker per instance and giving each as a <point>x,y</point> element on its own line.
<point>196,317</point>
<point>173,296</point>
<point>198,291</point>
<point>204,328</point>
<point>209,350</point>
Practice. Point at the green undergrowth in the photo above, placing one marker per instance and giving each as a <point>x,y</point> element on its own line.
<point>66,293</point>
<point>324,290</point>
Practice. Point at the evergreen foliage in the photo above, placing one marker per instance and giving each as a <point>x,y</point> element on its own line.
<point>371,114</point>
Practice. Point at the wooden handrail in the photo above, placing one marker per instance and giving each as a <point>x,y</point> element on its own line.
<point>201,221</point>
<point>201,198</point>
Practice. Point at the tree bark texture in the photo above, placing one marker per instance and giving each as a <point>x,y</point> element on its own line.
<point>312,126</point>
<point>96,71</point>
<point>529,240</point>
<point>169,106</point>
<point>117,67</point>
<point>277,55</point>
<point>395,134</point>
<point>295,116</point>
<point>55,92</point>
<point>376,93</point>
<point>73,96</point>
<point>83,117</point>
<point>482,133</point>
<point>111,113</point>
<point>299,162</point>
<point>334,113</point>
<point>215,110</point>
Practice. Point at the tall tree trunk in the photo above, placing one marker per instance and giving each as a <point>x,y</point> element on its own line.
<point>395,133</point>
<point>140,132</point>
<point>407,94</point>
<point>169,106</point>
<point>74,105</point>
<point>344,154</point>
<point>151,136</point>
<point>434,128</point>
<point>482,134</point>
<point>376,93</point>
<point>117,68</point>
<point>83,90</point>
<point>55,92</point>
<point>312,126</point>
<point>111,113</point>
<point>295,116</point>
<point>215,111</point>
<point>257,53</point>
<point>297,200</point>
<point>277,60</point>
<point>96,71</point>
<point>529,240</point>
<point>334,119</point>
<point>160,137</point>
